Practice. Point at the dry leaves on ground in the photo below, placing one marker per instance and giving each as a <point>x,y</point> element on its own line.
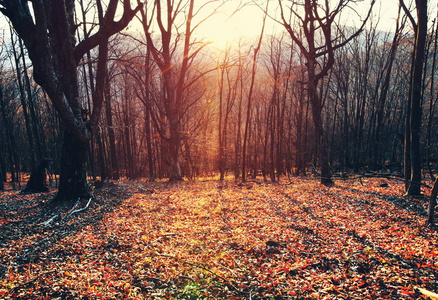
<point>211,240</point>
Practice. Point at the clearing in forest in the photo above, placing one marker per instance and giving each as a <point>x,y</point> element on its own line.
<point>211,240</point>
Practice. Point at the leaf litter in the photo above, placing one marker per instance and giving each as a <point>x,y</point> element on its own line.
<point>212,240</point>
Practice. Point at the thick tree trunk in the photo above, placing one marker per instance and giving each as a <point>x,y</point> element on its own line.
<point>315,102</point>
<point>73,179</point>
<point>174,151</point>
<point>37,180</point>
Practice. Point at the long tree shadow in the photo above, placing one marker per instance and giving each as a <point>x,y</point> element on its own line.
<point>404,202</point>
<point>23,235</point>
<point>371,256</point>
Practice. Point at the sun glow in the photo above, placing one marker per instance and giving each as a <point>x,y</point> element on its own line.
<point>230,23</point>
<point>220,31</point>
<point>226,27</point>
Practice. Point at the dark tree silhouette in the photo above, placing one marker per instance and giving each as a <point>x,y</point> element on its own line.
<point>48,30</point>
<point>413,156</point>
<point>37,180</point>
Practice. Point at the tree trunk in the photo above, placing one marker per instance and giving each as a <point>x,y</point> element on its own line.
<point>317,122</point>
<point>248,110</point>
<point>33,115</point>
<point>417,96</point>
<point>149,145</point>
<point>37,180</point>
<point>2,186</point>
<point>432,106</point>
<point>432,203</point>
<point>2,169</point>
<point>174,151</point>
<point>407,147</point>
<point>14,161</point>
<point>73,178</point>
<point>48,32</point>
<point>221,138</point>
<point>111,136</point>
<point>103,166</point>
<point>383,95</point>
<point>23,104</point>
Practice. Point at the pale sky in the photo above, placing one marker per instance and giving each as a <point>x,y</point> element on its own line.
<point>247,22</point>
<point>226,27</point>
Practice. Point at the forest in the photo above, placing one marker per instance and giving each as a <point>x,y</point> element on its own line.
<point>142,158</point>
<point>173,106</point>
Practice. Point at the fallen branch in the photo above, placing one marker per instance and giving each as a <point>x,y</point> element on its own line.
<point>427,293</point>
<point>74,210</point>
<point>50,220</point>
<point>149,191</point>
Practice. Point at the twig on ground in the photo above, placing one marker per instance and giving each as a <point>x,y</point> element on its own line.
<point>149,191</point>
<point>50,220</point>
<point>427,293</point>
<point>74,210</point>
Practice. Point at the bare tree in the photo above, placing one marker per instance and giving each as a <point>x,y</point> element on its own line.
<point>227,86</point>
<point>314,36</point>
<point>174,66</point>
<point>246,131</point>
<point>433,101</point>
<point>413,156</point>
<point>48,28</point>
<point>382,98</point>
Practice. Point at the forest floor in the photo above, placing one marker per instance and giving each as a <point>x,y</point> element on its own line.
<point>209,240</point>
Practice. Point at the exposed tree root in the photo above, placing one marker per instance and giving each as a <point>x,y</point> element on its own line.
<point>72,211</point>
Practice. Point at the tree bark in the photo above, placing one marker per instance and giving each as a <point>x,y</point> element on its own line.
<point>319,130</point>
<point>73,177</point>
